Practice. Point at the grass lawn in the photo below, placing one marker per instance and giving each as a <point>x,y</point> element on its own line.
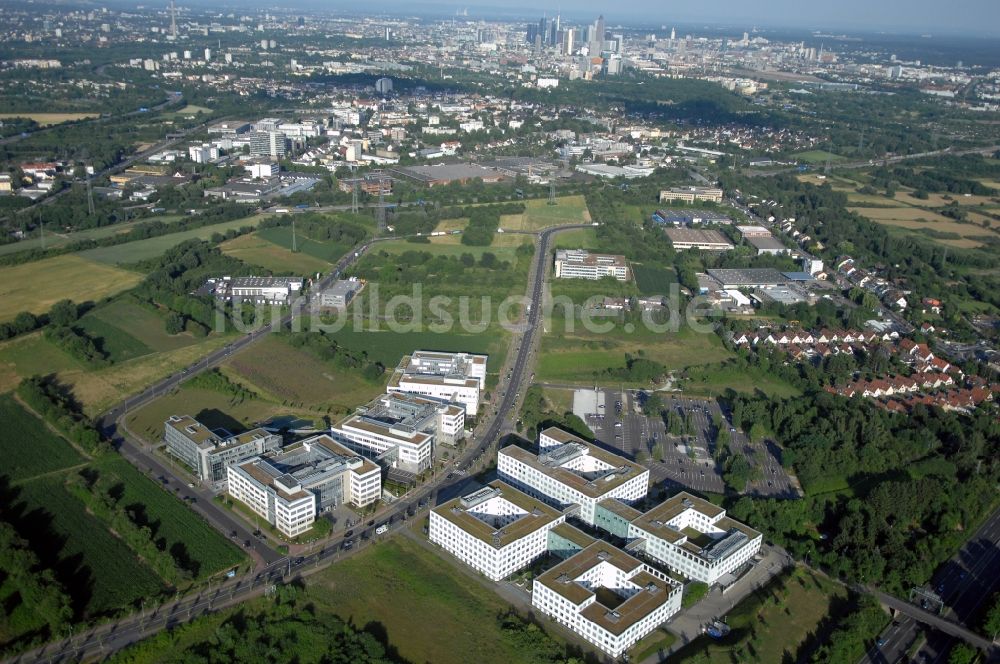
<point>786,616</point>
<point>326,252</point>
<point>113,341</point>
<point>575,357</point>
<point>653,280</point>
<point>539,214</point>
<point>28,447</point>
<point>190,109</point>
<point>427,608</point>
<point>36,286</point>
<point>265,367</point>
<point>716,379</point>
<point>817,157</point>
<point>450,245</point>
<point>580,238</point>
<point>270,256</point>
<point>140,250</point>
<point>654,642</point>
<point>560,400</point>
<point>101,573</point>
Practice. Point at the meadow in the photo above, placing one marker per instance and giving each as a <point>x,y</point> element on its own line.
<point>916,220</point>
<point>256,250</point>
<point>389,347</point>
<point>817,157</point>
<point>140,250</point>
<point>28,447</point>
<point>714,379</point>
<point>539,214</point>
<point>56,240</point>
<point>327,252</point>
<point>144,324</point>
<point>427,607</point>
<point>49,119</point>
<point>36,286</point>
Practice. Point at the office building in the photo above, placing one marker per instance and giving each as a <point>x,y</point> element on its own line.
<point>695,538</point>
<point>268,144</point>
<point>580,264</point>
<point>291,487</point>
<point>383,86</point>
<point>496,530</point>
<point>691,194</point>
<point>706,240</point>
<point>209,453</point>
<point>568,470</point>
<point>340,294</point>
<point>402,430</point>
<point>450,377</point>
<point>607,596</point>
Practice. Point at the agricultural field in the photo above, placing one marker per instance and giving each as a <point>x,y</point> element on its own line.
<point>539,214</point>
<point>784,620</point>
<point>144,324</point>
<point>28,447</point>
<point>389,347</point>
<point>36,286</point>
<point>916,220</point>
<point>327,252</point>
<point>190,109</point>
<point>575,357</point>
<point>286,375</point>
<point>49,119</point>
<point>140,250</point>
<point>117,344</point>
<point>818,157</point>
<point>423,603</point>
<point>256,250</point>
<point>182,532</point>
<point>101,573</point>
<point>31,355</point>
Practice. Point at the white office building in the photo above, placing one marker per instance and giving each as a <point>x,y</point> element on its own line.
<point>453,377</point>
<point>695,538</point>
<point>580,264</point>
<point>608,597</point>
<point>496,530</point>
<point>402,430</point>
<point>568,470</point>
<point>291,487</point>
<point>208,453</point>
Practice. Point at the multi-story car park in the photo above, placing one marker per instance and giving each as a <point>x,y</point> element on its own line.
<point>402,429</point>
<point>289,488</point>
<point>570,471</point>
<point>208,453</point>
<point>580,264</point>
<point>496,530</point>
<point>695,538</point>
<point>608,597</point>
<point>454,377</point>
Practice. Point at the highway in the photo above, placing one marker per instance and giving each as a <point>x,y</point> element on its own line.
<point>965,583</point>
<point>106,639</point>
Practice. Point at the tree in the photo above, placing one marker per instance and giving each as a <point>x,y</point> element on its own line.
<point>63,313</point>
<point>653,405</point>
<point>174,323</point>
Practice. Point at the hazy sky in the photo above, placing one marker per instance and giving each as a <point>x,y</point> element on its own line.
<point>980,16</point>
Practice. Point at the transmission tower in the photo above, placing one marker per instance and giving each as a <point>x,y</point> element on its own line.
<point>295,244</point>
<point>552,192</point>
<point>354,197</point>
<point>173,20</point>
<point>90,198</point>
<point>380,215</point>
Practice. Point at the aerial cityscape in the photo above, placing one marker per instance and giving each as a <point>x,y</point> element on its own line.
<point>459,333</point>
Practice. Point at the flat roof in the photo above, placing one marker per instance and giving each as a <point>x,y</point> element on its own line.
<point>696,236</point>
<point>447,172</point>
<point>574,534</point>
<point>616,506</point>
<point>615,477</point>
<point>538,514</point>
<point>653,593</point>
<point>747,276</point>
<point>581,257</point>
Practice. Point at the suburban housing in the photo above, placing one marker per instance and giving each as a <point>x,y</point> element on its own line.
<point>289,488</point>
<point>580,264</point>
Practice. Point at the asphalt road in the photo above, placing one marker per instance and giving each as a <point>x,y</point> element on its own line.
<point>964,583</point>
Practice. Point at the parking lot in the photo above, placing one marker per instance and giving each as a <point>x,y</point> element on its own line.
<point>687,460</point>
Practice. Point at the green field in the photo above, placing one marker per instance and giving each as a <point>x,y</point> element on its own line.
<point>451,246</point>
<point>117,344</point>
<point>140,250</point>
<point>28,447</point>
<point>142,323</point>
<point>817,157</point>
<point>256,250</point>
<point>428,608</point>
<point>175,527</point>
<point>328,252</point>
<point>539,214</point>
<point>780,622</point>
<point>581,238</point>
<point>714,380</point>
<point>36,286</point>
<point>100,571</point>
<point>287,375</point>
<point>56,240</point>
<point>575,357</point>
<point>389,347</point>
<point>31,355</point>
<point>653,280</point>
